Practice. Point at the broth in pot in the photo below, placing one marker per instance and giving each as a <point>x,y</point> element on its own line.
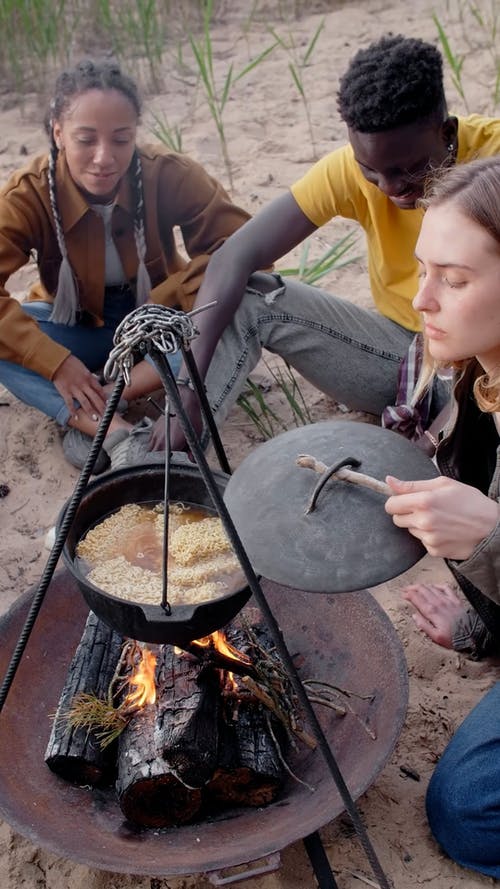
<point>122,555</point>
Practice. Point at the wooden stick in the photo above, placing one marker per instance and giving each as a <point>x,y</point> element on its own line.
<point>364,879</point>
<point>348,475</point>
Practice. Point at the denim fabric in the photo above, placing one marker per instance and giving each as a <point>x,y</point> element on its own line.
<point>463,798</point>
<point>349,353</point>
<point>91,345</point>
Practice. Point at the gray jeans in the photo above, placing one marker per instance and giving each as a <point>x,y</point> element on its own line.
<point>349,353</point>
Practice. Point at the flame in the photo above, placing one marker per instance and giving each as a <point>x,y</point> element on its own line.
<point>143,680</point>
<point>219,641</point>
<point>231,684</point>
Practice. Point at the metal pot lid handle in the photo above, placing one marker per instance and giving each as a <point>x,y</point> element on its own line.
<point>366,481</point>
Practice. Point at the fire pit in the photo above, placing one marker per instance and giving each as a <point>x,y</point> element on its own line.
<point>345,639</point>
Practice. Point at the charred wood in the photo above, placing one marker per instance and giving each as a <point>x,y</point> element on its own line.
<point>249,771</point>
<point>250,768</point>
<point>75,753</point>
<point>148,792</point>
<point>169,750</point>
<point>209,740</point>
<point>188,703</point>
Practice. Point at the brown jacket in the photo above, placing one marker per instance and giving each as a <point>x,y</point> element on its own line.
<point>177,192</point>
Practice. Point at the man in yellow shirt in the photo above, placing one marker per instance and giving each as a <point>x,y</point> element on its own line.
<point>392,100</point>
<point>383,201</point>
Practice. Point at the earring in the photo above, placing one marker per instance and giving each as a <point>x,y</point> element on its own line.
<point>451,147</point>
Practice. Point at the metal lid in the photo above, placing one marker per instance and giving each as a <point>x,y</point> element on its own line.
<point>348,542</point>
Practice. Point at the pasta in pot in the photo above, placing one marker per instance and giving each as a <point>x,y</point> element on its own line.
<point>122,555</point>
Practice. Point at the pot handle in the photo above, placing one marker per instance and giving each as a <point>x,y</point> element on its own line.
<point>271,863</point>
<point>357,478</point>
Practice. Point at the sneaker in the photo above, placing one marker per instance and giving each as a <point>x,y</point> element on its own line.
<point>134,448</point>
<point>76,447</point>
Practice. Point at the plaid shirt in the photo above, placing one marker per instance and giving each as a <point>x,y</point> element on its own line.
<point>403,417</point>
<point>470,635</point>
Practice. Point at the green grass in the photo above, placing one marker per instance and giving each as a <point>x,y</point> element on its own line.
<point>455,62</point>
<point>167,133</point>
<point>34,36</point>
<point>296,65</point>
<point>267,422</point>
<point>334,257</point>
<point>480,26</point>
<point>217,92</point>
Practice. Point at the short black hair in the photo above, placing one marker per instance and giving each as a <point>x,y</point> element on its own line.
<point>395,81</point>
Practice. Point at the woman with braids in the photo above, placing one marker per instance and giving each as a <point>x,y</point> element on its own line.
<point>457,516</point>
<point>99,214</point>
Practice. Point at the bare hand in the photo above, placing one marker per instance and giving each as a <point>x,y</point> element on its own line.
<point>75,382</point>
<point>177,438</point>
<point>450,518</point>
<point>157,440</point>
<point>437,610</point>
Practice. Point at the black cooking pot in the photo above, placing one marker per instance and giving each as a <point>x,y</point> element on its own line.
<point>149,623</point>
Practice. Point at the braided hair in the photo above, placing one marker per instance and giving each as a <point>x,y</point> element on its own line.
<point>395,81</point>
<point>88,75</point>
<point>143,283</point>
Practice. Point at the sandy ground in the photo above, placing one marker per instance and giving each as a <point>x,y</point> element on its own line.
<point>270,148</point>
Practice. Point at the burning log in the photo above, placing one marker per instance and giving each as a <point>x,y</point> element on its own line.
<point>148,792</point>
<point>201,743</point>
<point>200,728</point>
<point>76,753</point>
<point>188,701</point>
<point>169,749</point>
<point>250,769</point>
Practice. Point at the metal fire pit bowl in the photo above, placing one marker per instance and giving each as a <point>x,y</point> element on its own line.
<point>149,623</point>
<point>347,640</point>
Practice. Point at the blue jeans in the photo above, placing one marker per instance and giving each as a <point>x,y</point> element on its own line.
<point>91,345</point>
<point>350,353</point>
<point>463,798</point>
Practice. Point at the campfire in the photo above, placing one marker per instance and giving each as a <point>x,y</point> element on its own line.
<point>183,733</point>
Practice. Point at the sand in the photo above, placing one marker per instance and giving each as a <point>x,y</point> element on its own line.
<point>270,147</point>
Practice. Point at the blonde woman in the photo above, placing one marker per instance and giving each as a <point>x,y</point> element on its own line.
<point>457,515</point>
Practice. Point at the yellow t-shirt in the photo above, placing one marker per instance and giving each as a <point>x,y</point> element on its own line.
<point>335,186</point>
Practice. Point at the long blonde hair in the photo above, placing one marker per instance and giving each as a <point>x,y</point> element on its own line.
<point>475,189</point>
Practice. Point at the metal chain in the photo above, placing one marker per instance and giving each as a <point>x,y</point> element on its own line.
<point>168,330</point>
